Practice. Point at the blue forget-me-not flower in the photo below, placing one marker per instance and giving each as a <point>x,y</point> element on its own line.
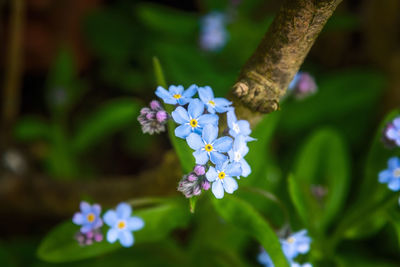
<point>297,243</point>
<point>122,224</point>
<point>238,127</point>
<point>238,151</point>
<point>176,95</point>
<point>393,131</point>
<point>213,104</point>
<point>89,217</point>
<point>192,119</point>
<point>208,147</point>
<point>213,34</point>
<point>391,175</point>
<point>221,178</point>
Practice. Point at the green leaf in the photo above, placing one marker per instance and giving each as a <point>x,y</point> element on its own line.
<point>59,245</point>
<point>243,215</point>
<point>158,72</point>
<point>31,128</point>
<point>322,162</point>
<point>105,121</point>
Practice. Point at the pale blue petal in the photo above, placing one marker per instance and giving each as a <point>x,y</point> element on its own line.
<point>180,115</point>
<point>396,123</point>
<point>249,139</point>
<point>126,238</point>
<point>231,117</point>
<point>244,127</point>
<point>222,102</point>
<point>210,108</point>
<point>385,176</point>
<point>135,223</point>
<point>110,218</point>
<point>112,235</point>
<point>231,155</point>
<point>234,169</point>
<point>206,94</point>
<point>230,184</point>
<point>208,119</point>
<point>78,218</point>
<point>194,141</point>
<point>85,207</point>
<point>165,96</point>
<point>265,259</point>
<point>183,130</point>
<point>210,133</point>
<point>183,101</point>
<point>394,184</point>
<point>211,174</point>
<point>195,108</point>
<point>201,156</point>
<point>96,208</point>
<point>246,170</point>
<point>222,166</point>
<point>217,158</point>
<point>392,134</point>
<point>218,189</point>
<point>223,144</point>
<point>175,90</point>
<point>124,210</point>
<point>191,91</point>
<point>86,228</point>
<point>393,163</point>
<point>97,223</point>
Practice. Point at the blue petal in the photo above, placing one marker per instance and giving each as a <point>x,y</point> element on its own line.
<point>385,176</point>
<point>231,117</point>
<point>230,184</point>
<point>246,170</point>
<point>194,141</point>
<point>126,238</point>
<point>392,134</point>
<point>234,169</point>
<point>244,127</point>
<point>183,130</point>
<point>110,218</point>
<point>394,184</point>
<point>196,108</point>
<point>85,207</point>
<point>112,235</point>
<point>218,189</point>
<point>135,223</point>
<point>223,144</point>
<point>78,218</point>
<point>183,101</point>
<point>165,96</point>
<point>217,158</point>
<point>124,210</point>
<point>393,163</point>
<point>222,102</point>
<point>396,123</point>
<point>180,115</point>
<point>206,94</point>
<point>208,119</point>
<point>211,174</point>
<point>190,91</point>
<point>210,132</point>
<point>201,156</point>
<point>176,90</point>
<point>86,228</point>
<point>265,259</point>
<point>96,208</point>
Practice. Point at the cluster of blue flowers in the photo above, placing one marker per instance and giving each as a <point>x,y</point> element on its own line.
<point>120,221</point>
<point>391,138</point>
<point>221,156</point>
<point>292,246</point>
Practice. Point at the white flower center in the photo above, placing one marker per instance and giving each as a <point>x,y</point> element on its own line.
<point>236,127</point>
<point>237,156</point>
<point>396,173</point>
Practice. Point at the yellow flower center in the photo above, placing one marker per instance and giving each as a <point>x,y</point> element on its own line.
<point>396,173</point>
<point>193,123</point>
<point>91,217</point>
<point>121,224</point>
<point>177,96</point>
<point>290,240</point>
<point>208,148</point>
<point>221,175</point>
<point>212,103</point>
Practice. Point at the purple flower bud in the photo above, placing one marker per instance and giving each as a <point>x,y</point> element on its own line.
<point>150,116</point>
<point>199,170</point>
<point>144,111</point>
<point>98,237</point>
<point>192,177</point>
<point>197,191</point>
<point>89,235</point>
<point>161,115</point>
<point>206,185</point>
<point>88,242</point>
<point>155,105</point>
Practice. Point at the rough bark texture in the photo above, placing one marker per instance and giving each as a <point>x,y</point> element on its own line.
<point>266,75</point>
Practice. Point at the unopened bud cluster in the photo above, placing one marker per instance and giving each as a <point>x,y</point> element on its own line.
<point>193,183</point>
<point>153,118</point>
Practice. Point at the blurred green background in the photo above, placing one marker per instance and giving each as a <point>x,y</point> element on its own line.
<point>76,73</point>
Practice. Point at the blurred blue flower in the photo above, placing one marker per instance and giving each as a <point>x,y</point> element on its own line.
<point>122,224</point>
<point>238,151</point>
<point>303,85</point>
<point>241,127</point>
<point>207,145</point>
<point>221,178</point>
<point>297,243</point>
<point>391,175</point>
<point>213,33</point>
<point>295,264</point>
<point>393,131</point>
<point>176,95</point>
<point>265,259</point>
<point>213,105</point>
<point>192,120</point>
<point>89,217</point>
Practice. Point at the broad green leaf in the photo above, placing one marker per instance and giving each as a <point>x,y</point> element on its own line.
<point>109,118</point>
<point>393,215</point>
<point>59,245</point>
<point>245,217</point>
<point>31,128</point>
<point>158,72</point>
<point>323,163</point>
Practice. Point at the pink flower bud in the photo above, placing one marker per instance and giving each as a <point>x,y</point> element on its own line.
<point>89,235</point>
<point>98,237</point>
<point>197,191</point>
<point>199,170</point>
<point>155,105</point>
<point>161,115</point>
<point>144,111</point>
<point>150,116</point>
<point>192,177</point>
<point>206,185</point>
